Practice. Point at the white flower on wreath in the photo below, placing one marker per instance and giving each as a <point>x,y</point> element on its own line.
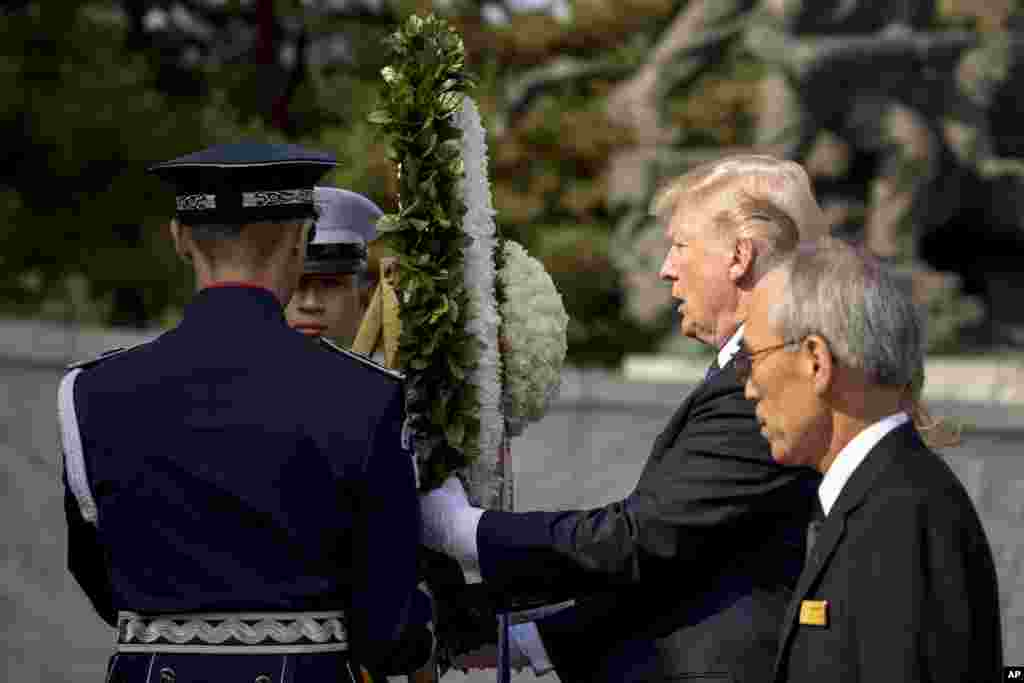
<point>483,477</point>
<point>533,338</point>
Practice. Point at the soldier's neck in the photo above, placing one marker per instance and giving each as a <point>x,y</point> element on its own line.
<point>213,277</point>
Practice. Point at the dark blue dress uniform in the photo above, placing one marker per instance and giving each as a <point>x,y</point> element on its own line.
<point>240,502</point>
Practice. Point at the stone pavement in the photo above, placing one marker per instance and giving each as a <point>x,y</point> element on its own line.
<point>588,451</point>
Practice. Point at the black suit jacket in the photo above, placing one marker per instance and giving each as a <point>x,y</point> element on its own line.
<point>907,572</point>
<point>702,556</point>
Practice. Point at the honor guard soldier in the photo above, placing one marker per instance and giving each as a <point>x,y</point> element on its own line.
<point>329,300</point>
<point>241,505</point>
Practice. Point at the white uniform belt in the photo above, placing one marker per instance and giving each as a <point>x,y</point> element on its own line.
<point>233,632</point>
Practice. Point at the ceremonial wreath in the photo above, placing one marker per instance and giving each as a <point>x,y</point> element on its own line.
<point>482,327</point>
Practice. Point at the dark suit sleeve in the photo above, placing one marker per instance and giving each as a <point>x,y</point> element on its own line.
<point>87,559</point>
<point>715,477</point>
<point>600,638</point>
<point>928,605</point>
<point>389,615</point>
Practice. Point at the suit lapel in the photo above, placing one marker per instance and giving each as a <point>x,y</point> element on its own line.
<point>852,495</point>
<point>678,422</point>
<point>831,532</point>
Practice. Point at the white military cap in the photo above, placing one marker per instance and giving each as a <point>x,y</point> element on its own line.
<point>347,222</point>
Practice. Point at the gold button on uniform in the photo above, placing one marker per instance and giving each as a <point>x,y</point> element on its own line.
<point>167,675</point>
<point>262,678</point>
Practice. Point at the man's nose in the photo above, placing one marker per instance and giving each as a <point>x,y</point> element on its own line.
<point>310,299</point>
<point>667,273</point>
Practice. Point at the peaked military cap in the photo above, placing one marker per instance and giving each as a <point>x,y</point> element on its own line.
<point>347,221</point>
<point>245,182</point>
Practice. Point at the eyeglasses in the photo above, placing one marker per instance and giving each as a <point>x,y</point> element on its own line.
<point>743,361</point>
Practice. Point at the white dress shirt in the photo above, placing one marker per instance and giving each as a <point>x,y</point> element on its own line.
<point>730,347</point>
<point>525,637</point>
<point>852,455</point>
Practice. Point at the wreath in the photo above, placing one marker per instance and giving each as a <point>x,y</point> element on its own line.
<point>483,328</point>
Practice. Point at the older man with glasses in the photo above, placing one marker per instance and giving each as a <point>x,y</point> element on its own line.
<point>900,583</point>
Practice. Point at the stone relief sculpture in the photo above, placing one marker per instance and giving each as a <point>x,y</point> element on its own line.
<point>906,127</point>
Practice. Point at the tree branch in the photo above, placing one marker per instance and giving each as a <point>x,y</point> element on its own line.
<point>560,72</point>
<point>687,48</point>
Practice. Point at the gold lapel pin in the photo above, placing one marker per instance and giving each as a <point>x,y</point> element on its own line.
<point>814,612</point>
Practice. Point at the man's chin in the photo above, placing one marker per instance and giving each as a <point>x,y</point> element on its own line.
<point>780,453</point>
<point>691,332</point>
<point>788,455</point>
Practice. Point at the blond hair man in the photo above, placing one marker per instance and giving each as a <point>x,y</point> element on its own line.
<point>696,565</point>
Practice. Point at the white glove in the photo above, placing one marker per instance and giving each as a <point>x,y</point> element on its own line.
<point>450,522</point>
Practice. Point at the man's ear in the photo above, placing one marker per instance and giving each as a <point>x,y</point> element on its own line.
<point>819,363</point>
<point>744,251</point>
<point>303,238</point>
<point>179,239</point>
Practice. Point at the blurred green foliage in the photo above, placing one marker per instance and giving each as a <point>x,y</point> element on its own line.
<point>93,95</point>
<point>579,262</point>
<point>84,114</point>
<point>91,103</point>
<point>93,98</point>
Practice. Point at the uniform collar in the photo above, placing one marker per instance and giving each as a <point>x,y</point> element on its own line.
<point>852,455</point>
<point>236,283</point>
<point>232,303</point>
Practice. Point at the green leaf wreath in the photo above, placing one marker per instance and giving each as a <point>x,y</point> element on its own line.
<point>458,327</point>
<point>423,90</point>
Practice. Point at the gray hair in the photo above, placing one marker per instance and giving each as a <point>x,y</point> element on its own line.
<point>754,196</point>
<point>852,300</point>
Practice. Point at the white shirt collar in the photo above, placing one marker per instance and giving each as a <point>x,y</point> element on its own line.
<point>730,348</point>
<point>851,456</point>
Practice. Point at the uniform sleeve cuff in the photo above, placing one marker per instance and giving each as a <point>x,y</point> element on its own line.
<point>526,638</point>
<point>466,551</point>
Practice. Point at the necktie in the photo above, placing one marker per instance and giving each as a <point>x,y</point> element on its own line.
<point>817,519</point>
<point>712,369</point>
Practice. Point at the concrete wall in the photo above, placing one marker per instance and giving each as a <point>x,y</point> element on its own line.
<point>588,451</point>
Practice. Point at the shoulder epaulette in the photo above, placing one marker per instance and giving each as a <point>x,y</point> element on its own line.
<point>369,362</point>
<point>106,355</point>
